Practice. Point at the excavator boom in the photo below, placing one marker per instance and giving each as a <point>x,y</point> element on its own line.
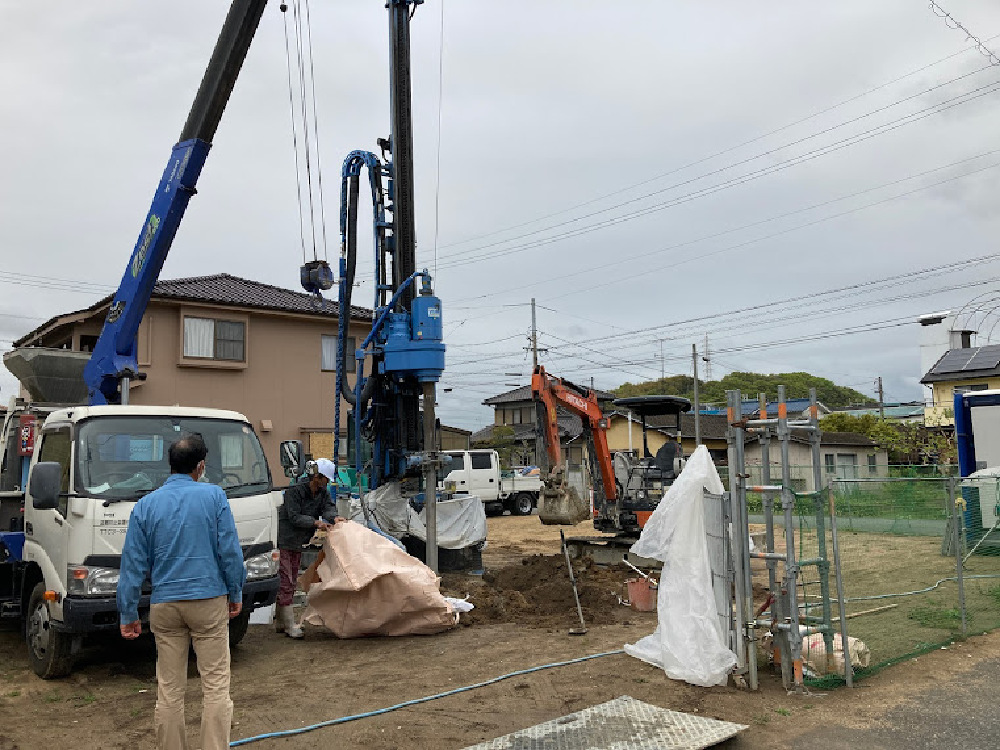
<point>560,503</point>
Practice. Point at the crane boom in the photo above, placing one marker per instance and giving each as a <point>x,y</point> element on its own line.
<point>114,357</point>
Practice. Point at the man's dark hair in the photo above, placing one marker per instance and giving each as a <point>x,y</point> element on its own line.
<point>186,453</point>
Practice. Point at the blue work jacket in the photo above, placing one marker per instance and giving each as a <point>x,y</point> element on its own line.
<point>183,537</point>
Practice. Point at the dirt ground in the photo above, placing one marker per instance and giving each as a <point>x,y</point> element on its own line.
<point>524,610</point>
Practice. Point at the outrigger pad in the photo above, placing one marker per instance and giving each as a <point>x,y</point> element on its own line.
<point>562,507</point>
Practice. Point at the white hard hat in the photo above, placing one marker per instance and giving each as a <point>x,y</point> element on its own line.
<point>327,468</point>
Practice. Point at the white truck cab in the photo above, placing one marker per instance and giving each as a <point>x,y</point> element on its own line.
<point>90,465</point>
<point>478,472</point>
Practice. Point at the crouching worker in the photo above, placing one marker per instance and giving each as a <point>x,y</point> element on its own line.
<point>307,507</point>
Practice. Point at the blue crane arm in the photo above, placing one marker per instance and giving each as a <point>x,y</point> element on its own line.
<point>114,355</point>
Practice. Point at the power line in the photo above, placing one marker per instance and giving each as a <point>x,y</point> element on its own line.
<point>730,149</point>
<point>715,235</point>
<point>738,180</point>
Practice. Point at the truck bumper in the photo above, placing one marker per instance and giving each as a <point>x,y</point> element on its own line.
<point>96,615</point>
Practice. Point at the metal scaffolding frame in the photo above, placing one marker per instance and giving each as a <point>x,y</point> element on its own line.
<point>790,617</point>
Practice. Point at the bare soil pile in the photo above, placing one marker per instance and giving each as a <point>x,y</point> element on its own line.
<point>536,592</point>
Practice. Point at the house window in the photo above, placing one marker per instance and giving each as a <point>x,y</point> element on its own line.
<point>87,343</point>
<point>207,338</point>
<point>515,416</point>
<point>830,462</point>
<point>872,464</point>
<point>970,388</point>
<point>329,354</point>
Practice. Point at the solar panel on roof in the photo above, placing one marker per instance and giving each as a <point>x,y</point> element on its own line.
<point>954,360</point>
<point>985,358</point>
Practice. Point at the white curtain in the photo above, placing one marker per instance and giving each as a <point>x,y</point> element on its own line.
<point>199,337</point>
<point>329,353</point>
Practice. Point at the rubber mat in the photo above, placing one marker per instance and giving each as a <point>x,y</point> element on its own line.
<point>622,724</point>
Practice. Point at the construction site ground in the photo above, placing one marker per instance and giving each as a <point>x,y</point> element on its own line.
<point>524,610</point>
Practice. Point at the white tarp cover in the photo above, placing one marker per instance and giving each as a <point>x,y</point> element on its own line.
<point>461,521</point>
<point>689,642</point>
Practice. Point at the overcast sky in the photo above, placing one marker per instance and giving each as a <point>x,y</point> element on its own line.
<point>640,167</point>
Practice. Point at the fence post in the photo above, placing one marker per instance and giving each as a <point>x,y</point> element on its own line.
<point>958,524</point>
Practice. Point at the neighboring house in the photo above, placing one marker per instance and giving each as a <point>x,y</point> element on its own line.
<point>795,408</point>
<point>959,371</point>
<point>516,409</point>
<point>899,413</point>
<point>230,343</point>
<point>625,434</point>
<point>453,438</point>
<point>845,455</point>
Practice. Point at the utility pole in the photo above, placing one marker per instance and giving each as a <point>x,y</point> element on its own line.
<point>534,337</point>
<point>697,409</point>
<point>881,398</point>
<point>707,357</point>
<point>662,364</point>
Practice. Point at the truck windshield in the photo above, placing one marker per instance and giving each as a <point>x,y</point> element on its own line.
<point>123,458</point>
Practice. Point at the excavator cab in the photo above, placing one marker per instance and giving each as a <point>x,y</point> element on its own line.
<point>641,481</point>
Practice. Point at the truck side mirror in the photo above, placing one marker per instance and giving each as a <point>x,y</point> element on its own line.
<point>293,457</point>
<point>44,485</point>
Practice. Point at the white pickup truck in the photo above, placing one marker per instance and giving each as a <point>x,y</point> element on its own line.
<point>478,473</point>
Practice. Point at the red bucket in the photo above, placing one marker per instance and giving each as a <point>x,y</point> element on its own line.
<point>641,594</point>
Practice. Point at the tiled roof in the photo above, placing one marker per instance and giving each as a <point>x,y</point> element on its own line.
<point>524,394</point>
<point>225,289</point>
<point>219,289</point>
<point>570,427</point>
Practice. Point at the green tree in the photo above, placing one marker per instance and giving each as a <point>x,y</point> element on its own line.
<point>797,385</point>
<point>502,441</point>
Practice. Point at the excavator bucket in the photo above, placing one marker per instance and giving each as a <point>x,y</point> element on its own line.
<point>559,503</point>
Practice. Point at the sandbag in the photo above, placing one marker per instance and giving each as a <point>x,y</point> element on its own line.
<point>362,584</point>
<point>814,654</point>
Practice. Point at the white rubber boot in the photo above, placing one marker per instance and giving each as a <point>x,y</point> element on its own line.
<point>286,617</point>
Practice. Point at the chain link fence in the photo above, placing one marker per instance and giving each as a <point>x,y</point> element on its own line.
<point>920,563</point>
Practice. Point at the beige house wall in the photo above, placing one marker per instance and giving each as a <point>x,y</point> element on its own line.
<point>942,412</point>
<point>618,438</point>
<point>281,387</point>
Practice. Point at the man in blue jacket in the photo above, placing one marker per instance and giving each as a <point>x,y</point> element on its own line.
<point>182,537</point>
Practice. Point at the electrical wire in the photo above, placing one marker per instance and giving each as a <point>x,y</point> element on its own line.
<point>954,23</point>
<point>852,140</point>
<point>417,701</point>
<point>730,149</point>
<point>777,217</point>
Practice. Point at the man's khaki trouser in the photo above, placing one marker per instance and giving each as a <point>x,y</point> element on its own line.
<point>177,625</point>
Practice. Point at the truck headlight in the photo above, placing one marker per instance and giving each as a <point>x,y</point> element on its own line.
<point>262,566</point>
<point>83,580</point>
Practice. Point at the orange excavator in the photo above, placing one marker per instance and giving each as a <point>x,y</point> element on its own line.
<point>628,489</point>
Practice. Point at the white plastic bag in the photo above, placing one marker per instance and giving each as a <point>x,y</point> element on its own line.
<point>689,642</point>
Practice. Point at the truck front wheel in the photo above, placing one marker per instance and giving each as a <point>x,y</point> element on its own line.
<point>238,627</point>
<point>523,504</point>
<point>48,649</point>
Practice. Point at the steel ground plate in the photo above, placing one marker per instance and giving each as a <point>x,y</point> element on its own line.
<point>622,724</point>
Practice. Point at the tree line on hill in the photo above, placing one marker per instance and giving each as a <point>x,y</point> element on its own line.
<point>750,384</point>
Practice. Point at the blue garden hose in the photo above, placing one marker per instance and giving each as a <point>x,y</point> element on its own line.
<point>415,701</point>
